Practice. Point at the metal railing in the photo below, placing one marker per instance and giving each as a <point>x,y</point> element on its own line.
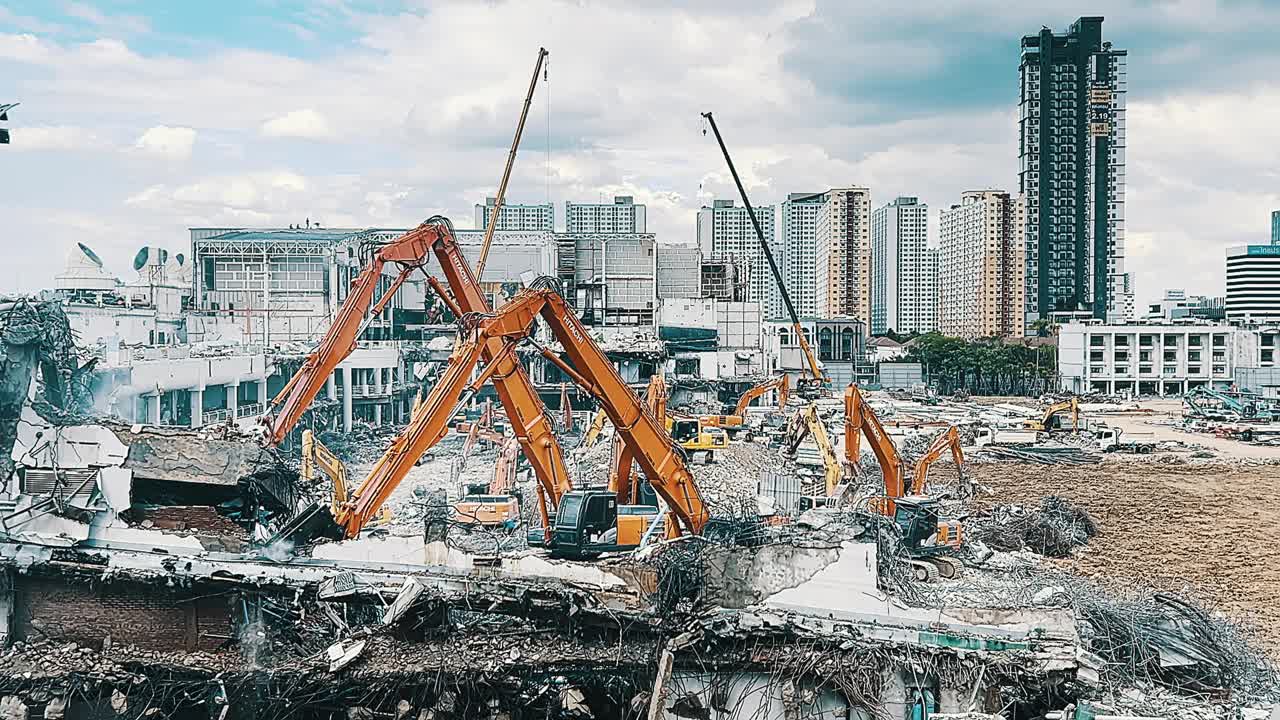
<point>250,410</point>
<point>213,417</point>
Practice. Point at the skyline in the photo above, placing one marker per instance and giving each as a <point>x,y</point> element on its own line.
<point>136,125</point>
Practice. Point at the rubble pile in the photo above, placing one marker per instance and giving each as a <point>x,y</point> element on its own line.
<point>1055,529</point>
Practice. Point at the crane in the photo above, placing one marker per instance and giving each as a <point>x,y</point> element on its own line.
<point>583,516</point>
<point>515,390</point>
<point>928,538</point>
<point>814,383</point>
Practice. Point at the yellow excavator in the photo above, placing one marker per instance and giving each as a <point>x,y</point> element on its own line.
<point>807,423</point>
<point>1046,422</point>
<point>317,459</point>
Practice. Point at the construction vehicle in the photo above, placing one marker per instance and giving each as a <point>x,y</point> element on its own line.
<point>1051,421</point>
<point>495,505</point>
<point>807,423</point>
<point>622,480</point>
<point>593,433</point>
<point>584,526</point>
<point>698,438</point>
<point>948,439</point>
<point>984,435</point>
<point>930,540</point>
<point>315,456</point>
<point>524,409</point>
<point>735,421</point>
<point>1109,440</point>
<point>1205,403</point>
<point>814,383</point>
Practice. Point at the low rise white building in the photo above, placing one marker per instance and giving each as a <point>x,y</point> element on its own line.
<point>1160,359</point>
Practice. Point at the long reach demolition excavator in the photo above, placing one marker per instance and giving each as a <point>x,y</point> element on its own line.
<point>586,520</point>
<point>524,409</point>
<point>930,540</point>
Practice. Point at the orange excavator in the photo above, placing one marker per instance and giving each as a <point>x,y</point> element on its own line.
<point>524,409</point>
<point>781,383</point>
<point>622,481</point>
<point>930,540</point>
<point>586,521</point>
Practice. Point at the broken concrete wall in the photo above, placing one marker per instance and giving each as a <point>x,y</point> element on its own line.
<point>753,696</point>
<point>739,577</point>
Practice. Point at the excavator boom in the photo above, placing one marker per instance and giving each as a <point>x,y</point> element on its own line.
<point>860,418</point>
<point>643,434</point>
<point>948,439</point>
<point>781,383</point>
<point>409,251</point>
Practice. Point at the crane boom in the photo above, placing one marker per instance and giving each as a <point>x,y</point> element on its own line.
<point>643,434</point>
<point>811,360</point>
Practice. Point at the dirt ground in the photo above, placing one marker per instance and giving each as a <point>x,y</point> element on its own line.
<point>1208,530</point>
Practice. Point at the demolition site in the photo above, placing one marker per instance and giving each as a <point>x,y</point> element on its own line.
<point>507,472</point>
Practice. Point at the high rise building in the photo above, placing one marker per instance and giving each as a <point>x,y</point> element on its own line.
<point>529,218</point>
<point>1253,283</point>
<point>929,291</point>
<point>1072,152</point>
<point>842,254</point>
<point>799,237</point>
<point>622,216</point>
<point>725,232</point>
<point>982,261</point>
<point>899,287</point>
<point>1275,227</point>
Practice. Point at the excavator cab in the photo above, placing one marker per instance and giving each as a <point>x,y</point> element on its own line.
<point>930,541</point>
<point>591,522</point>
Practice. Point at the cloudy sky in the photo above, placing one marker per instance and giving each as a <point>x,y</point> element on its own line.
<point>141,118</point>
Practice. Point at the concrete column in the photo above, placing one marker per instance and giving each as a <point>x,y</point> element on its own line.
<point>377,414</point>
<point>330,387</point>
<point>262,391</point>
<point>346,399</point>
<point>153,408</point>
<point>197,406</point>
<point>233,399</point>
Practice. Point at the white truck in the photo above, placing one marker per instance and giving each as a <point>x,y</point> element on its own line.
<point>984,436</point>
<point>1109,440</point>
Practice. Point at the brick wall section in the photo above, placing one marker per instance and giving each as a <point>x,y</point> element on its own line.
<point>131,613</point>
<point>214,531</point>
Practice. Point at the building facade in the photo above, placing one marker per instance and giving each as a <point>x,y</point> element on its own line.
<point>1072,168</point>
<point>725,232</point>
<point>1163,359</point>
<point>1253,283</point>
<point>799,237</point>
<point>842,255</point>
<point>900,292</point>
<point>615,278</point>
<point>679,271</point>
<point>981,266</point>
<point>1177,305</point>
<point>535,218</point>
<point>622,216</point>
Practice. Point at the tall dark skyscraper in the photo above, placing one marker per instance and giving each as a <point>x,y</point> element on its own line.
<point>1071,146</point>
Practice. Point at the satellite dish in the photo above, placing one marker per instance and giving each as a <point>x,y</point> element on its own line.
<point>90,254</point>
<point>140,260</point>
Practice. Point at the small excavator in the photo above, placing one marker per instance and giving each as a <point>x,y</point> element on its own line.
<point>931,541</point>
<point>738,418</point>
<point>1047,423</point>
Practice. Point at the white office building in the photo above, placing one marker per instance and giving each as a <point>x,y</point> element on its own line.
<point>900,293</point>
<point>726,232</point>
<point>531,218</point>
<point>623,215</point>
<point>1160,359</point>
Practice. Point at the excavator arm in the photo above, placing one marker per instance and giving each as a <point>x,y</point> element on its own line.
<point>622,478</point>
<point>781,383</point>
<point>807,422</point>
<point>948,439</point>
<point>860,418</point>
<point>644,435</point>
<point>316,456</point>
<point>409,251</point>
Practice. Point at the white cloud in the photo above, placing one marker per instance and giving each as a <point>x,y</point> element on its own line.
<point>300,124</point>
<point>174,143</point>
<point>258,194</point>
<point>63,137</point>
